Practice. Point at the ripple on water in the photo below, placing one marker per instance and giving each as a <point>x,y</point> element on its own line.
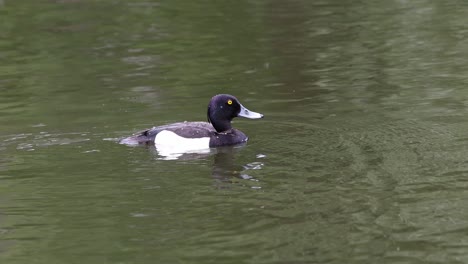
<point>396,186</point>
<point>30,141</point>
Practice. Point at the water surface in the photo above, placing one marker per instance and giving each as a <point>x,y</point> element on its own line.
<point>361,156</point>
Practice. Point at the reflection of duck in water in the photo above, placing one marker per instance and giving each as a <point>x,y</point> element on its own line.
<point>194,154</point>
<point>224,168</point>
<point>194,136</point>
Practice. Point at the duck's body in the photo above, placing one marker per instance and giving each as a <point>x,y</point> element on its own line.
<point>177,133</point>
<point>198,135</point>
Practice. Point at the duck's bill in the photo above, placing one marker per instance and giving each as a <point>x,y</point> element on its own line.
<point>244,112</point>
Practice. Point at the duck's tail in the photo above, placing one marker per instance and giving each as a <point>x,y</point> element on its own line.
<point>140,138</point>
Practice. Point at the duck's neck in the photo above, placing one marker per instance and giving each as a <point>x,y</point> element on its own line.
<point>222,126</point>
<point>218,121</point>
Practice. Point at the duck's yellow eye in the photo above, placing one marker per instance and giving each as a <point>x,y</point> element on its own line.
<point>229,102</point>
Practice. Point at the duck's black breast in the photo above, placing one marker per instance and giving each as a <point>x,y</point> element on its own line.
<point>231,137</point>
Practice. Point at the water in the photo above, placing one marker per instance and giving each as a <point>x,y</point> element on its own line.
<point>361,157</point>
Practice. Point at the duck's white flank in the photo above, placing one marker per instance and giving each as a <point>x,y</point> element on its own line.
<point>171,141</point>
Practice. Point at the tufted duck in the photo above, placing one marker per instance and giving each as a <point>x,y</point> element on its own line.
<point>200,135</point>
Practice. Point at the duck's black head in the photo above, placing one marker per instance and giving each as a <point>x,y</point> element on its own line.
<point>223,108</point>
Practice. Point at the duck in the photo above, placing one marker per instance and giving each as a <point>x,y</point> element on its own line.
<point>217,132</point>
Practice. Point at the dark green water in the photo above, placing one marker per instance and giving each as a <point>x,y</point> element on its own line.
<point>362,156</point>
